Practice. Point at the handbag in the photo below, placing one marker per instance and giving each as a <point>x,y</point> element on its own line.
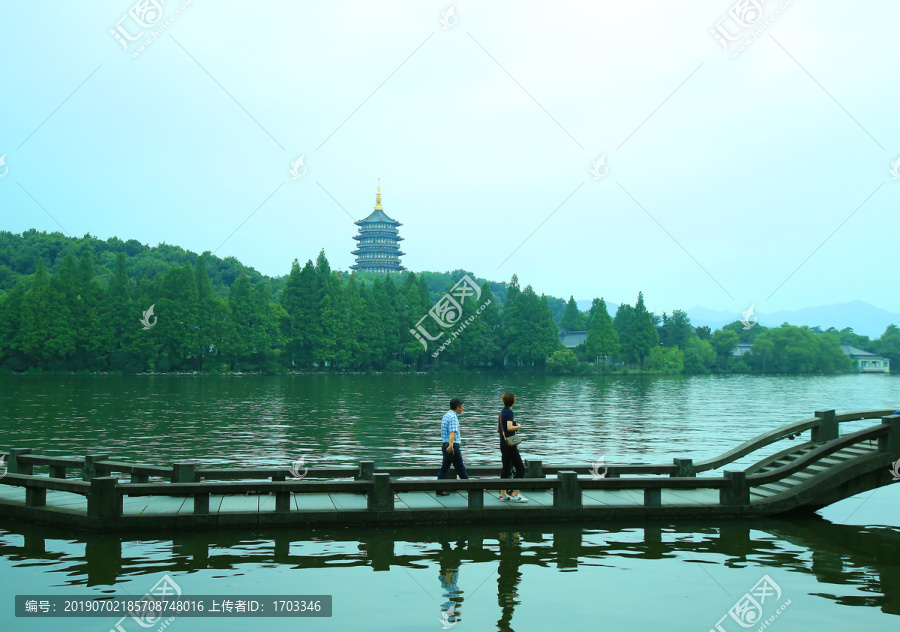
<point>514,440</point>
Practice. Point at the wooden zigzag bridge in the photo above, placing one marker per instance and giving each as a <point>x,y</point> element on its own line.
<point>805,476</point>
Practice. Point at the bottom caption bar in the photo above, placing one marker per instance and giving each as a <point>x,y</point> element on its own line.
<point>149,610</point>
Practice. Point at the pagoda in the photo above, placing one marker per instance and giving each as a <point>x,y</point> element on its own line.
<point>378,247</point>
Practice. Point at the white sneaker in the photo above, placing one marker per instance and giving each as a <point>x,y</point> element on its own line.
<point>504,496</point>
<point>519,498</point>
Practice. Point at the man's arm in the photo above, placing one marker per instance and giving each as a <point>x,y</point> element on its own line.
<point>452,437</point>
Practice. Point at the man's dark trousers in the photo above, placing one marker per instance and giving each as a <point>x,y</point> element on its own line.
<point>454,459</point>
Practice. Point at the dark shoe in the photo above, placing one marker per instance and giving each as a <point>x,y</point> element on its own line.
<point>442,493</point>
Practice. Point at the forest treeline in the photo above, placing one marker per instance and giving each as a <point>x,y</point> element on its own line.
<point>83,304</point>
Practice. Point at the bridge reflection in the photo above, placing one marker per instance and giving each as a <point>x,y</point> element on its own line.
<point>865,557</point>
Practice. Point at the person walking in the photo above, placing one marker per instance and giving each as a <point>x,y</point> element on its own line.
<point>450,448</point>
<point>509,454</point>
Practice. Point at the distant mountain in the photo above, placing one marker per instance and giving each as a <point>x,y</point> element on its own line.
<point>865,319</point>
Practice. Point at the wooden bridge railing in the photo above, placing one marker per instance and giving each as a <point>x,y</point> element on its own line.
<point>823,427</point>
<point>105,493</point>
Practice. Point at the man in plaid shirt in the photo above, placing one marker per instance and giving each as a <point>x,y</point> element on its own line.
<point>450,443</point>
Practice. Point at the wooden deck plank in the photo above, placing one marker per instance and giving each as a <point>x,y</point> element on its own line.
<point>612,497</point>
<point>240,504</point>
<point>418,500</point>
<point>454,500</point>
<point>690,497</point>
<point>349,501</point>
<point>540,498</point>
<point>314,502</point>
<point>65,499</point>
<point>162,505</point>
<point>8,492</point>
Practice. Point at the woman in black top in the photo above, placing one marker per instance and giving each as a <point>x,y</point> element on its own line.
<point>510,453</point>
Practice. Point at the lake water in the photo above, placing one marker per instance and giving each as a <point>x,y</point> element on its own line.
<point>833,570</point>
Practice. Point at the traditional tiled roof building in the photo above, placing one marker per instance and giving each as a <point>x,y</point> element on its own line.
<point>378,242</point>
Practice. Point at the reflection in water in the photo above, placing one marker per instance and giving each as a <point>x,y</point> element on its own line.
<point>450,559</point>
<point>508,577</point>
<point>864,559</point>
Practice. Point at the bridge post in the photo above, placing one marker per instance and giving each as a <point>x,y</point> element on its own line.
<point>137,477</point>
<point>91,466</point>
<point>35,496</point>
<point>568,494</point>
<point>827,429</point>
<point>685,468</point>
<point>104,501</point>
<point>282,501</point>
<point>476,499</point>
<point>890,441</point>
<point>14,467</point>
<point>738,491</point>
<point>534,469</point>
<point>366,471</point>
<point>183,472</point>
<point>652,496</point>
<point>381,498</point>
<point>57,471</point>
<point>201,503</point>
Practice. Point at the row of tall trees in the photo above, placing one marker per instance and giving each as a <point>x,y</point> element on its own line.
<point>70,321</point>
<point>209,314</point>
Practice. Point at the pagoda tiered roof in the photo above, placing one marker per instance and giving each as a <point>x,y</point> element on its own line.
<point>378,246</point>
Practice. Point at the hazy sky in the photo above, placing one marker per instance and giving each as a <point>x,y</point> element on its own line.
<point>722,174</point>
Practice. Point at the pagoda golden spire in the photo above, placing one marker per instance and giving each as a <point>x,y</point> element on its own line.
<point>378,197</point>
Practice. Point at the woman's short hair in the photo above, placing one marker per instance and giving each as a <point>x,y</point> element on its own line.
<point>455,403</point>
<point>508,399</point>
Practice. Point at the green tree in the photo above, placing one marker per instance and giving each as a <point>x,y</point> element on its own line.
<point>177,327</point>
<point>642,334</point>
<point>888,345</point>
<point>699,356</point>
<point>622,324</point>
<point>572,319</point>
<point>797,350</point>
<point>602,338</point>
<point>724,342</point>
<point>562,361</point>
<point>678,329</point>
<point>47,335</point>
<point>302,328</point>
<point>11,356</point>
<point>666,359</point>
<point>212,316</point>
<point>119,322</point>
